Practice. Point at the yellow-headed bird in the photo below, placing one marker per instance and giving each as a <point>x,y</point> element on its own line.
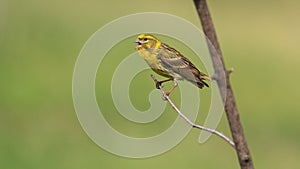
<point>168,62</point>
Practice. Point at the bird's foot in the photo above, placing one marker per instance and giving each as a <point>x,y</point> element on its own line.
<point>157,84</point>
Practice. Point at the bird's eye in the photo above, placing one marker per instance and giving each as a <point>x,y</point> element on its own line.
<point>145,39</point>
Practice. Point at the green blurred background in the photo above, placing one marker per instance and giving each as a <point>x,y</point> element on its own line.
<point>40,41</point>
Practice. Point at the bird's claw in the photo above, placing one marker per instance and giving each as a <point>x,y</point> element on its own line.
<point>158,84</point>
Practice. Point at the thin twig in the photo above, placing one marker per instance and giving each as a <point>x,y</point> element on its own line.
<point>187,119</point>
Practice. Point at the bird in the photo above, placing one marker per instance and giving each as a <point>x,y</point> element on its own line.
<point>168,62</point>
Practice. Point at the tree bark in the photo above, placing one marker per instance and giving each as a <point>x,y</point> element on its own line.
<point>226,91</point>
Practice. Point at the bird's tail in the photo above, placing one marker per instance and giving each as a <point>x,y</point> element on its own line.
<point>204,77</point>
<point>200,82</point>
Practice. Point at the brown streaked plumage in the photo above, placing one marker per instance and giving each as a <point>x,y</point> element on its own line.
<point>168,62</point>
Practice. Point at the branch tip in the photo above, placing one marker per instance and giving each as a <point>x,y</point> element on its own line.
<point>230,70</point>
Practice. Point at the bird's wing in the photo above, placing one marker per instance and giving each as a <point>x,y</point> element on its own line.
<point>176,63</point>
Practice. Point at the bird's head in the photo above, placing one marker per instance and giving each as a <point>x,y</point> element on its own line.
<point>146,41</point>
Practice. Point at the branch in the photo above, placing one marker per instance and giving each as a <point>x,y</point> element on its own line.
<point>226,91</point>
<point>187,119</point>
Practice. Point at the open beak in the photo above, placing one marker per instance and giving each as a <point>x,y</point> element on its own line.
<point>139,44</point>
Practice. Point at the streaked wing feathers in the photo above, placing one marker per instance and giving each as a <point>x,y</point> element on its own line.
<point>176,63</point>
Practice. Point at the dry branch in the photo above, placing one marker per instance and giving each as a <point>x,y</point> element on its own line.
<point>226,91</point>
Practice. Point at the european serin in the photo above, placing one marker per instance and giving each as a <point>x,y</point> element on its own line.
<point>168,62</point>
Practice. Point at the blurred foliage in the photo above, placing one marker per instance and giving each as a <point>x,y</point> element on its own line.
<point>39,44</point>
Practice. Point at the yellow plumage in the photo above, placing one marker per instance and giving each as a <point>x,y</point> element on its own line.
<point>168,62</point>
